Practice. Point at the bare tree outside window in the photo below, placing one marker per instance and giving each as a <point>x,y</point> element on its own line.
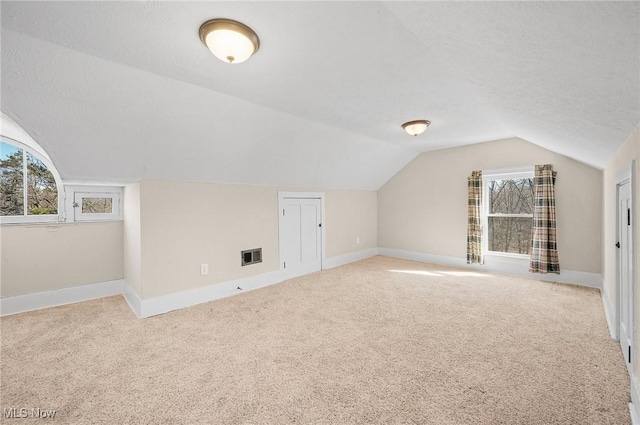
<point>11,180</point>
<point>42,191</point>
<point>97,206</point>
<point>510,215</point>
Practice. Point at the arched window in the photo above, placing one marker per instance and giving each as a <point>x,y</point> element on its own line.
<point>30,187</point>
<point>31,190</point>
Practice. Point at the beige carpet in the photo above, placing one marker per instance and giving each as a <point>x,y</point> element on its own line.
<point>360,344</point>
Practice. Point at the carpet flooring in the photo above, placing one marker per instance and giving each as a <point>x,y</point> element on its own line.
<point>379,341</point>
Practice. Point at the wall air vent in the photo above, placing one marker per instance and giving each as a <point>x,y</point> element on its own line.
<point>251,256</point>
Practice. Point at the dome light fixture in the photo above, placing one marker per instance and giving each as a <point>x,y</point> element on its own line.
<point>230,41</point>
<point>416,127</point>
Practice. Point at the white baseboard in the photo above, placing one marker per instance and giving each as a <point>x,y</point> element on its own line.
<point>178,300</point>
<point>509,266</point>
<point>423,257</point>
<point>609,314</point>
<point>191,297</point>
<point>350,257</point>
<point>133,299</point>
<point>74,294</point>
<point>635,402</point>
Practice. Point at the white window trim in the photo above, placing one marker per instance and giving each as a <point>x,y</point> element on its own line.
<point>48,218</point>
<point>524,172</point>
<point>85,190</point>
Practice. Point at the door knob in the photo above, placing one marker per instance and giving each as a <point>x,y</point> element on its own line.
<point>617,244</point>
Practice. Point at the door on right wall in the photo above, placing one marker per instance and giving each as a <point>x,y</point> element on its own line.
<point>625,269</point>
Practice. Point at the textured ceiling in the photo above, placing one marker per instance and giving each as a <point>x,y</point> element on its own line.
<point>123,91</point>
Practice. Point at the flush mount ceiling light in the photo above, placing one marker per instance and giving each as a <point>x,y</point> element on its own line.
<point>230,41</point>
<point>416,127</point>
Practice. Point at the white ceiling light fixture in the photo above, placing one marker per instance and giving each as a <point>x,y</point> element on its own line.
<point>416,127</point>
<point>230,41</point>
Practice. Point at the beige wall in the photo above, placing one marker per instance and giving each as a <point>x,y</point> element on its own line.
<point>188,224</point>
<point>628,152</point>
<point>350,214</point>
<point>184,225</point>
<point>38,258</point>
<point>423,208</point>
<point>132,238</point>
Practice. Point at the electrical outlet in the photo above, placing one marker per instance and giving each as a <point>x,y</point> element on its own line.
<point>358,239</point>
<point>204,269</point>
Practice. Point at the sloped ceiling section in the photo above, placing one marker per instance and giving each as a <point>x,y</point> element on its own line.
<point>123,91</point>
<point>99,120</point>
<point>563,75</point>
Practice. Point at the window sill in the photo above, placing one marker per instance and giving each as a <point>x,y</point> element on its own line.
<point>53,223</point>
<point>30,219</point>
<point>506,255</point>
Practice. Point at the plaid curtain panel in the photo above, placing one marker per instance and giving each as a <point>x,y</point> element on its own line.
<point>544,250</point>
<point>474,222</point>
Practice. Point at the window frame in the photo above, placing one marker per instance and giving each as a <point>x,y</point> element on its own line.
<point>526,172</point>
<point>37,218</point>
<point>94,191</point>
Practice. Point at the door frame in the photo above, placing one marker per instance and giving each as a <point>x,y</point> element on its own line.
<point>626,175</point>
<point>284,195</point>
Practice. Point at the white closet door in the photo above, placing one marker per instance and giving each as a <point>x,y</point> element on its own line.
<point>301,235</point>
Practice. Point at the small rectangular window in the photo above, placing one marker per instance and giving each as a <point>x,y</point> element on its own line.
<point>90,206</point>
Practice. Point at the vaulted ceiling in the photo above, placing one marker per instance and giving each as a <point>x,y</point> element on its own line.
<point>124,91</point>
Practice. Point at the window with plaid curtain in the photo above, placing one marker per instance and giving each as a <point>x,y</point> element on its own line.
<point>544,249</point>
<point>474,222</point>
